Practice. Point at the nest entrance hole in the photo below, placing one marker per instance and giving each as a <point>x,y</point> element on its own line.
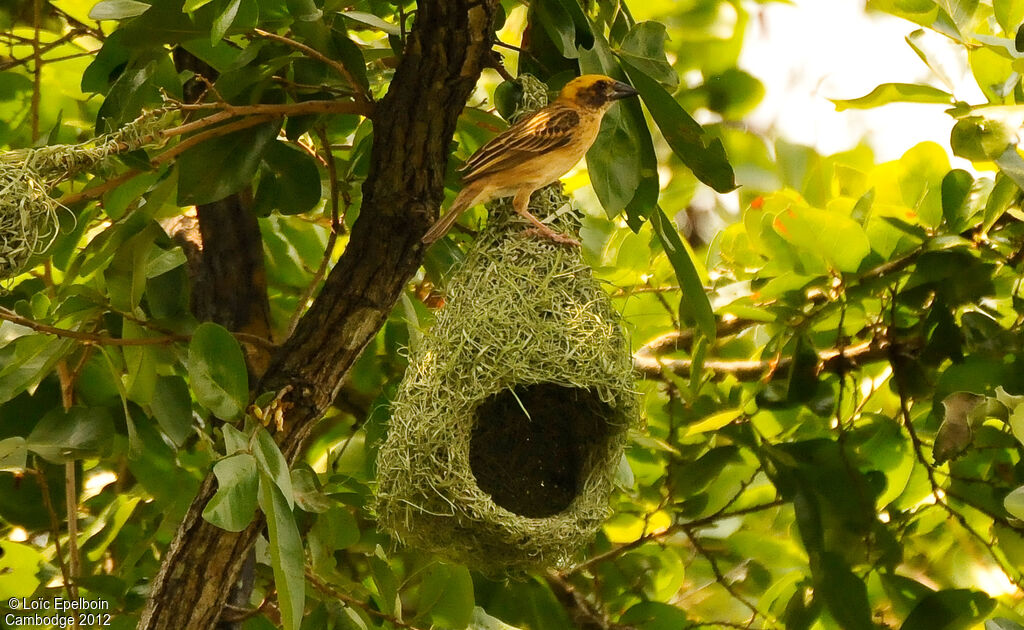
<point>533,446</point>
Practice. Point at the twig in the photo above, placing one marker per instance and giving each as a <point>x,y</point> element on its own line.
<point>831,360</point>
<point>80,26</point>
<point>330,591</point>
<point>585,614</point>
<point>42,49</point>
<point>44,488</point>
<point>200,138</point>
<point>938,493</point>
<point>681,339</point>
<point>719,577</point>
<point>332,238</point>
<point>98,190</point>
<point>67,394</point>
<point>694,524</point>
<point>37,67</point>
<point>319,56</point>
<point>103,340</point>
<point>269,109</point>
<point>261,113</point>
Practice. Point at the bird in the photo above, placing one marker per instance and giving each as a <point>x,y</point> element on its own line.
<point>535,152</point>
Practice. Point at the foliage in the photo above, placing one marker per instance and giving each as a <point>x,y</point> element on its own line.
<point>833,387</point>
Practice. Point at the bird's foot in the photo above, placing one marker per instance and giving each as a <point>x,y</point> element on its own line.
<point>552,235</point>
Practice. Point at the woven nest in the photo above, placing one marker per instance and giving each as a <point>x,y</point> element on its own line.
<point>28,214</point>
<point>510,423</point>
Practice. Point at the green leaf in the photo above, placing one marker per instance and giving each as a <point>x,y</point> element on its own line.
<point>733,93</point>
<point>956,189</point>
<point>13,453</point>
<point>694,297</point>
<point>1009,14</point>
<point>223,21</point>
<point>704,155</point>
<point>385,580</point>
<point>291,182</point>
<point>843,593</point>
<point>895,93</point>
<point>1014,503</point>
<point>979,139</point>
<point>655,616</point>
<point>26,360</point>
<point>172,408</point>
<point>117,9</point>
<point>370,19</point>
<point>163,260</point>
<point>336,529</point>
<point>1001,623</point>
<point>140,364</point>
<point>446,594</point>
<point>835,237</point>
<point>1011,164</point>
<point>308,494</point>
<point>19,564</point>
<point>584,32</point>
<point>953,609</point>
<point>223,165</point>
<point>614,160</point>
<point>351,56</point>
<point>999,199</point>
<point>273,464</point>
<point>960,11</point>
<point>78,433</point>
<point>482,621</point>
<point>234,440</point>
<point>234,505</point>
<point>644,49</point>
<point>133,90</point>
<point>286,556</point>
<point>216,370</point>
<point>557,22</point>
<point>304,10</point>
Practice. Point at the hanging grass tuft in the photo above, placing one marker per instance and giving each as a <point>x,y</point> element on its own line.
<point>28,214</point>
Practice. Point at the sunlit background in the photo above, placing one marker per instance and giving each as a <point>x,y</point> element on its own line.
<point>809,51</point>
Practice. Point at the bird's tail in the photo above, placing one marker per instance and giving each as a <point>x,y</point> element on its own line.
<point>465,199</point>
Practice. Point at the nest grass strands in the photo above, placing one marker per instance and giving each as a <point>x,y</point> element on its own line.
<point>510,424</point>
<point>28,214</point>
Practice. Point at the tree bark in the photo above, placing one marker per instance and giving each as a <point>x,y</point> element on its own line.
<point>445,51</point>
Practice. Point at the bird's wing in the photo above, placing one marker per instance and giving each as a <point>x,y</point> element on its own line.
<point>550,128</point>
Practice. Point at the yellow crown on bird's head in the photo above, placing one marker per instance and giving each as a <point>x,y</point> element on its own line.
<point>595,91</point>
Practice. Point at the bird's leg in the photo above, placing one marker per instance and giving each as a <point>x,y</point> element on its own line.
<point>520,203</point>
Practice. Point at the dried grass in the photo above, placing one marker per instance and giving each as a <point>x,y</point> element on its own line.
<point>526,327</point>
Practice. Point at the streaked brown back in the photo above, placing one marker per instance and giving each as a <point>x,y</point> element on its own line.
<point>547,129</point>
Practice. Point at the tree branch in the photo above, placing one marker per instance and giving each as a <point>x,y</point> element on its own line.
<point>104,340</point>
<point>831,360</point>
<point>413,127</point>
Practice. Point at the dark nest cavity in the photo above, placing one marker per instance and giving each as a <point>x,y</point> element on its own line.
<point>532,446</point>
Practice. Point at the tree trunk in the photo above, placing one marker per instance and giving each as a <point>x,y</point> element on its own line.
<point>413,126</point>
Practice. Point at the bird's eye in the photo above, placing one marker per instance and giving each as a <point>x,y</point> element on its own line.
<point>601,85</point>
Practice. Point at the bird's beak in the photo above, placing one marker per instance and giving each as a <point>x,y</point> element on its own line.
<point>622,90</point>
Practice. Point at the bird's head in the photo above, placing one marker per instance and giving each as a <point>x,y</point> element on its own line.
<point>595,91</point>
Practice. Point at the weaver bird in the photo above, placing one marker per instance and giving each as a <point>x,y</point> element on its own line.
<point>535,152</point>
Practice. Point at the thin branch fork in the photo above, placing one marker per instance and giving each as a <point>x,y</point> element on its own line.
<point>104,340</point>
<point>256,114</point>
<point>339,67</point>
<point>831,360</point>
